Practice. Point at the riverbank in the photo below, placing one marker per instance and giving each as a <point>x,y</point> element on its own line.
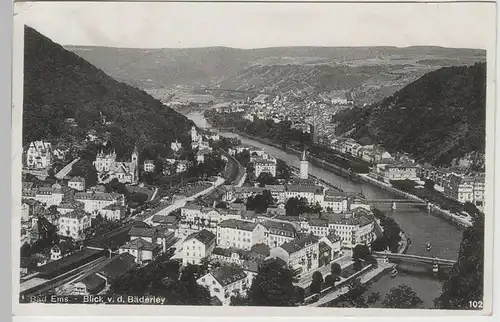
<point>369,275</point>
<point>434,209</point>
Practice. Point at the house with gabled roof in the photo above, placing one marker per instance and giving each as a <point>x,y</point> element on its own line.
<point>61,250</point>
<point>224,282</point>
<point>197,246</point>
<point>141,249</point>
<point>301,255</point>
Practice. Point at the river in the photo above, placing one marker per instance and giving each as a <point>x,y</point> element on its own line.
<point>418,225</point>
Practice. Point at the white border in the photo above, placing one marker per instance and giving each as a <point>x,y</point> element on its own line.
<point>114,310</point>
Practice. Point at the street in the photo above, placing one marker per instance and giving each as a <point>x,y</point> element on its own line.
<point>306,278</point>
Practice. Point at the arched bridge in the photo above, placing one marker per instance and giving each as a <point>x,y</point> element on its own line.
<point>416,258</point>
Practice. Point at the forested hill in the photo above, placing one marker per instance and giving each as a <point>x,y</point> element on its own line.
<point>59,85</point>
<point>437,118</point>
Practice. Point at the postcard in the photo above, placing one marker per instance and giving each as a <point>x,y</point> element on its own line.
<point>204,158</point>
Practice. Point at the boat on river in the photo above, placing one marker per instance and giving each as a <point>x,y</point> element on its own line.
<point>435,268</point>
<point>428,247</point>
<point>394,272</point>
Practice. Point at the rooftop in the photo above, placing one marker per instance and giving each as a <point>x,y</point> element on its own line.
<point>140,244</point>
<point>238,224</point>
<point>226,275</point>
<point>298,244</point>
<point>204,236</point>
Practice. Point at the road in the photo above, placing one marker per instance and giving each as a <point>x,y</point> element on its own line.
<point>364,279</point>
<point>64,171</point>
<point>179,203</point>
<point>306,278</point>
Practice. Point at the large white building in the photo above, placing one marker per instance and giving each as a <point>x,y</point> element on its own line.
<point>224,282</point>
<point>301,255</point>
<point>95,202</point>
<point>72,224</point>
<point>263,165</point>
<point>39,155</point>
<point>335,201</point>
<point>46,195</point>
<point>77,183</point>
<point>108,168</point>
<point>466,189</point>
<point>197,246</point>
<point>240,233</point>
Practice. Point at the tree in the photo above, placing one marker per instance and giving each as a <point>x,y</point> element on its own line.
<point>470,208</point>
<point>402,297</point>
<point>357,265</point>
<point>360,252</point>
<point>296,206</point>
<point>317,281</point>
<point>265,178</point>
<point>429,184</point>
<point>273,286</point>
<point>335,269</point>
<point>282,170</point>
<point>355,296</point>
<point>465,282</point>
<point>159,166</point>
<point>260,202</point>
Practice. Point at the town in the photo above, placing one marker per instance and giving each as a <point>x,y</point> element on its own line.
<point>262,210</point>
<point>326,182</point>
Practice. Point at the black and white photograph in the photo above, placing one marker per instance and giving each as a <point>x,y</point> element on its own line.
<point>232,155</point>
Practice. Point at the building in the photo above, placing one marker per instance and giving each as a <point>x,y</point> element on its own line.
<point>301,255</point>
<point>141,249</point>
<point>353,228</point>
<point>335,201</point>
<point>466,189</point>
<point>108,168</point>
<point>48,196</point>
<point>73,224</point>
<point>114,211</point>
<point>304,166</point>
<point>61,250</point>
<point>197,246</point>
<point>77,183</point>
<point>397,172</point>
<point>313,193</point>
<point>240,233</point>
<point>89,285</point>
<point>25,212</point>
<point>330,247</point>
<point>279,232</point>
<point>176,146</point>
<point>69,206</point>
<point>230,255</point>
<point>149,166</point>
<point>100,280</point>
<point>263,165</point>
<point>224,282</point>
<point>39,155</point>
<point>95,202</point>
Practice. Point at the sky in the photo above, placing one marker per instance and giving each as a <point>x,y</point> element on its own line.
<point>258,25</point>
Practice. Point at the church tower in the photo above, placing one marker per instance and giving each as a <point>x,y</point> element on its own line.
<point>135,156</point>
<point>304,166</point>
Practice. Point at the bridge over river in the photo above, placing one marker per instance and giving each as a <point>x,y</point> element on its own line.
<point>416,258</point>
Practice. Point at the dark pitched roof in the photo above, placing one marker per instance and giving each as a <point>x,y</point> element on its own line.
<point>227,252</point>
<point>141,244</point>
<point>117,266</point>
<point>93,282</point>
<point>280,228</point>
<point>143,232</point>
<point>298,244</point>
<point>203,236</point>
<point>226,275</point>
<point>238,224</point>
